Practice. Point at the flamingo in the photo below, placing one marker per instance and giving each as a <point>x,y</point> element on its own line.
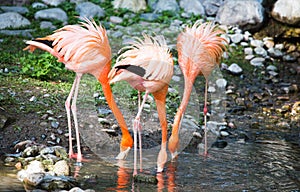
<point>84,48</point>
<point>199,51</point>
<point>147,65</point>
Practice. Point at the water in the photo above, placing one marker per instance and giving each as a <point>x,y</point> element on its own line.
<point>262,166</point>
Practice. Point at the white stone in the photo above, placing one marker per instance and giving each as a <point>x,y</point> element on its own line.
<point>236,38</point>
<point>235,68</point>
<point>248,51</point>
<point>258,61</point>
<point>287,11</point>
<point>221,83</point>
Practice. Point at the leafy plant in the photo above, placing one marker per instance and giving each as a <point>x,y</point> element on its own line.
<point>42,66</point>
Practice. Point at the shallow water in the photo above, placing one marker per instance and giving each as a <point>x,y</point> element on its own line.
<point>261,166</point>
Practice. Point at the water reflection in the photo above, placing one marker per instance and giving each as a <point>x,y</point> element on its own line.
<point>260,166</point>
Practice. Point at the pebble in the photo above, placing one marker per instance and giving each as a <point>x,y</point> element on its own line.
<point>235,69</point>
<point>260,51</point>
<point>54,124</point>
<point>256,43</point>
<point>257,61</point>
<point>33,98</point>
<point>237,38</point>
<point>248,51</point>
<point>103,121</point>
<point>221,83</point>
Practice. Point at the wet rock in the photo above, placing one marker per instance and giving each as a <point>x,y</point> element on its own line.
<point>89,10</point>
<point>287,11</point>
<point>235,69</point>
<point>145,178</point>
<point>133,5</point>
<point>221,83</point>
<point>52,14</point>
<point>12,19</point>
<point>192,7</point>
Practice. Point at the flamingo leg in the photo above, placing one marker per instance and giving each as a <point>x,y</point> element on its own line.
<point>138,128</point>
<point>74,112</point>
<point>205,110</point>
<point>160,99</point>
<point>68,109</point>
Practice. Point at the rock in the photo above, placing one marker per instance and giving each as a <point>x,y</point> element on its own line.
<point>235,69</point>
<point>256,43</point>
<point>54,124</point>
<point>115,19</point>
<point>3,120</point>
<point>287,11</point>
<point>289,58</point>
<point>52,14</point>
<point>257,61</point>
<point>272,68</point>
<point>269,42</point>
<point>61,168</point>
<point>12,19</point>
<point>21,10</point>
<point>47,25</point>
<point>89,10</point>
<point>192,6</point>
<point>275,53</point>
<point>260,51</point>
<point>167,5</point>
<point>33,179</point>
<point>236,38</point>
<point>212,6</point>
<point>247,14</point>
<point>149,16</point>
<point>53,2</point>
<point>221,83</point>
<point>103,121</point>
<point>38,5</point>
<point>248,51</point>
<point>132,5</point>
<point>24,33</point>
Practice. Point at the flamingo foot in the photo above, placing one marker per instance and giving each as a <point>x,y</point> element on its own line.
<point>162,158</point>
<point>79,158</point>
<point>123,154</point>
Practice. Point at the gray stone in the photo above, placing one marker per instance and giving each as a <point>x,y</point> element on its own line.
<point>38,5</point>
<point>235,69</point>
<point>192,6</point>
<point>236,38</point>
<point>289,58</point>
<point>257,61</point>
<point>149,16</point>
<point>24,33</point>
<point>212,6</point>
<point>115,19</point>
<point>272,68</point>
<point>248,14</point>
<point>248,51</point>
<point>256,43</point>
<point>167,5</point>
<point>287,11</point>
<point>12,19</point>
<point>21,10</point>
<point>52,14</point>
<point>132,5</point>
<point>276,53</point>
<point>221,83</point>
<point>47,25</point>
<point>260,51</point>
<point>89,10</point>
<point>53,2</point>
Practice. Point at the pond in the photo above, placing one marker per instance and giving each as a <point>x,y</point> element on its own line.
<point>264,165</point>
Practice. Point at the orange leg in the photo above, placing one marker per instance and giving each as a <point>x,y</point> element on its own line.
<point>160,99</point>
